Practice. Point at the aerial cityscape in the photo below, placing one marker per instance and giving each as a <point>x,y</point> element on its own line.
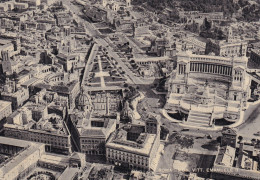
<point>129,89</point>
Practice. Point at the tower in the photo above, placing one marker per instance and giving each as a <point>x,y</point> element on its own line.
<point>230,35</point>
<point>153,124</point>
<point>6,64</point>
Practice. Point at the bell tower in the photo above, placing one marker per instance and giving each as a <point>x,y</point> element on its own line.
<point>230,35</point>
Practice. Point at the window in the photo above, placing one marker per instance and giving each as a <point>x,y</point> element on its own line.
<point>235,97</point>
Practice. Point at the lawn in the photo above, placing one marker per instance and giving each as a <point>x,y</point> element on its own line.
<point>94,80</point>
<point>113,79</point>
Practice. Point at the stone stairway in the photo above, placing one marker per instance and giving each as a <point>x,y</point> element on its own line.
<point>201,119</point>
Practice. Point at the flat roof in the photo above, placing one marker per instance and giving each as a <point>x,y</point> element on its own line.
<point>4,104</point>
<point>21,156</point>
<point>69,173</point>
<point>55,159</point>
<point>145,150</point>
<point>15,142</point>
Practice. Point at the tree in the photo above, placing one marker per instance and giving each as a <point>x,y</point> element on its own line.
<point>207,24</point>
<point>240,138</point>
<point>220,34</point>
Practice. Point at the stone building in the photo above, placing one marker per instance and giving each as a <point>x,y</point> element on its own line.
<point>229,47</point>
<point>229,137</point>
<point>51,130</point>
<point>16,95</point>
<point>207,88</point>
<point>26,158</point>
<point>5,111</point>
<point>90,131</point>
<point>106,102</point>
<point>135,146</point>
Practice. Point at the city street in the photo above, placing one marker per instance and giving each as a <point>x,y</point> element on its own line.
<point>251,122</point>
<point>137,52</point>
<point>77,12</point>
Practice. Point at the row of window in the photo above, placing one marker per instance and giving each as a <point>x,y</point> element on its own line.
<point>90,141</point>
<point>89,146</point>
<point>42,138</point>
<point>231,52</point>
<point>130,160</point>
<point>112,152</point>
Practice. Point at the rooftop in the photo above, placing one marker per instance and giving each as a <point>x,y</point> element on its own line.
<point>89,125</point>
<point>52,124</point>
<point>29,148</point>
<point>226,156</point>
<point>15,142</point>
<point>118,142</point>
<point>4,104</point>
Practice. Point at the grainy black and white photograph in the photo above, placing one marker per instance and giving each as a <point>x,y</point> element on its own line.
<point>129,89</point>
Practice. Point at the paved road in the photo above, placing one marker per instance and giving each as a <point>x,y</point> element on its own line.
<point>137,51</point>
<point>76,10</point>
<point>89,64</point>
<point>251,122</point>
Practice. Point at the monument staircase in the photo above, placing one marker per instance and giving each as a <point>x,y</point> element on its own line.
<point>201,119</point>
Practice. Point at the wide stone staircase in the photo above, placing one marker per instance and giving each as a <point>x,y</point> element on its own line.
<point>201,119</point>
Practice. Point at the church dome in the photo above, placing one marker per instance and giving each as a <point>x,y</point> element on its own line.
<point>83,101</point>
